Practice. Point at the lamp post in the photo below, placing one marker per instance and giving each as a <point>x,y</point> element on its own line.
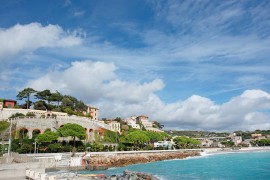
<point>35,151</point>
<point>116,140</point>
<point>9,141</point>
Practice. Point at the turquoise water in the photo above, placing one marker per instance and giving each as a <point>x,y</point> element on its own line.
<point>239,166</point>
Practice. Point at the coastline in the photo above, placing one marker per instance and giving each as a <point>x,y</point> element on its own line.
<point>212,151</point>
<point>120,159</point>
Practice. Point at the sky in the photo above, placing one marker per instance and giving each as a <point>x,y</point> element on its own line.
<point>191,65</point>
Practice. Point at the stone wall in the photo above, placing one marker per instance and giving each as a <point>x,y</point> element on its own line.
<point>5,113</point>
<point>41,124</point>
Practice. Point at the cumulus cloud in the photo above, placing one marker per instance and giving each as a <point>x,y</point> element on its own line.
<point>249,111</point>
<point>32,36</point>
<point>97,83</point>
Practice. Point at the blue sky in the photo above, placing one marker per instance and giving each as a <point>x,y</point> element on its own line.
<point>188,64</point>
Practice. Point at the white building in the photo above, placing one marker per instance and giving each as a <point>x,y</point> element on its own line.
<point>134,125</point>
<point>132,122</point>
<point>205,142</point>
<point>145,121</point>
<point>164,144</point>
<point>115,126</point>
<point>153,129</point>
<point>236,139</point>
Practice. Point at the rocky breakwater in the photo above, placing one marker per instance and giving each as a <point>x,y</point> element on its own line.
<point>117,160</point>
<point>131,175</point>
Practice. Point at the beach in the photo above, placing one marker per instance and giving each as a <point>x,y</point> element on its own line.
<point>229,150</point>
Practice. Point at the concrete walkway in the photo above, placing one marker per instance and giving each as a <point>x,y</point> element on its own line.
<point>16,171</point>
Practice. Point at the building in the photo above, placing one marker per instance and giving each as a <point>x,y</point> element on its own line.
<point>115,126</point>
<point>8,103</point>
<point>152,129</point>
<point>93,112</point>
<point>205,142</point>
<point>144,121</point>
<point>256,136</point>
<point>163,144</point>
<point>132,122</point>
<point>236,139</point>
<point>134,125</point>
<point>142,118</point>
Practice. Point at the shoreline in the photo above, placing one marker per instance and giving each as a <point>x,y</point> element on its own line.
<point>213,151</point>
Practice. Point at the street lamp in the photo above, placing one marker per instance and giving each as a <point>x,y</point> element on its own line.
<point>116,140</point>
<point>9,141</point>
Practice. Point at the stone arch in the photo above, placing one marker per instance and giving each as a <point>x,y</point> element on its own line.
<point>47,129</point>
<point>86,134</point>
<point>91,135</point>
<point>23,132</point>
<point>35,132</point>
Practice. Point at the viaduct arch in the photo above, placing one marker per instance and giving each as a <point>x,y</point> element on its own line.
<point>35,125</point>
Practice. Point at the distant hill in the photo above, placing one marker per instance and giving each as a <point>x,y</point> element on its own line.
<point>197,134</point>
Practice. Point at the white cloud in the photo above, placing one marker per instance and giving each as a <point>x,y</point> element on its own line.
<point>95,81</point>
<point>98,83</point>
<point>30,37</point>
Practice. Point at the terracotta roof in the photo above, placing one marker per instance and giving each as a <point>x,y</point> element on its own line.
<point>9,100</point>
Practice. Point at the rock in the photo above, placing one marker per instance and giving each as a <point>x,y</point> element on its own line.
<point>128,159</point>
<point>130,175</point>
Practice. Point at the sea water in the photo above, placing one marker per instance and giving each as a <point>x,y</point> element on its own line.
<point>238,166</point>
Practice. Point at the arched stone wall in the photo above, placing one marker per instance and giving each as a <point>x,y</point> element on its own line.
<point>54,123</point>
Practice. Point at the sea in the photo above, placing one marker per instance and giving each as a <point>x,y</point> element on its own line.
<point>227,166</point>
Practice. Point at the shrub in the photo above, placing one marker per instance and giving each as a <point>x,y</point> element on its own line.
<point>67,148</point>
<point>17,115</point>
<point>80,148</point>
<point>55,148</point>
<point>30,114</point>
<point>25,148</point>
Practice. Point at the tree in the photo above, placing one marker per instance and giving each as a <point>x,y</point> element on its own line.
<point>68,101</point>
<point>4,125</point>
<point>44,95</point>
<point>262,142</point>
<point>80,106</point>
<point>137,137</point>
<point>110,136</point>
<point>69,111</point>
<point>157,136</point>
<point>40,105</point>
<point>227,143</point>
<point>158,125</point>
<point>74,130</point>
<point>47,136</point>
<point>185,142</point>
<point>56,97</point>
<point>26,94</point>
